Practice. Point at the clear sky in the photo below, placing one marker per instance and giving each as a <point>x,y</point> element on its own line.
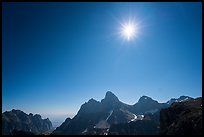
<point>56,56</point>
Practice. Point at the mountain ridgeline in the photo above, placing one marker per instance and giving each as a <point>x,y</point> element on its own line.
<point>16,122</point>
<point>110,116</point>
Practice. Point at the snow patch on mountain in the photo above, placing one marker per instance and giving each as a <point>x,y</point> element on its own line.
<point>135,117</point>
<point>109,115</point>
<point>184,99</point>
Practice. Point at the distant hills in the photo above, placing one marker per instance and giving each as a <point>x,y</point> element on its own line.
<point>110,116</point>
<point>16,122</point>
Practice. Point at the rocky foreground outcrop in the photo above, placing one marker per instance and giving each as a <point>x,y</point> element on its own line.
<point>182,118</point>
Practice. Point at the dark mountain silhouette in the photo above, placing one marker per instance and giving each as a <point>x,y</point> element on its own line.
<point>98,117</point>
<point>94,114</point>
<point>182,118</point>
<point>18,122</point>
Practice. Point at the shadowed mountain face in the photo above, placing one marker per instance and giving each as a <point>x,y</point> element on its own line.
<point>182,118</point>
<point>94,114</point>
<point>17,122</point>
<point>98,117</point>
<point>109,102</point>
<point>147,105</point>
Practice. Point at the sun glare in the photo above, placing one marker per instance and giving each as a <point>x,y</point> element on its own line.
<point>129,30</point>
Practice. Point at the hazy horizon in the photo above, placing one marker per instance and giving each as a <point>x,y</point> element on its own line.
<point>57,56</point>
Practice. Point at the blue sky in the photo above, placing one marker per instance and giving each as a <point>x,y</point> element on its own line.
<point>56,56</point>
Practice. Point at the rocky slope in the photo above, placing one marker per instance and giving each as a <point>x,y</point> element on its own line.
<point>17,122</point>
<point>182,118</point>
<point>140,127</point>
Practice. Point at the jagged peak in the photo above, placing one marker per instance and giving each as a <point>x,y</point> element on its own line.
<point>16,110</point>
<point>68,119</point>
<point>13,110</point>
<point>37,115</point>
<point>91,102</point>
<point>109,95</point>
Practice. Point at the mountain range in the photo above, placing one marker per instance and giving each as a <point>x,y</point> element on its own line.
<point>105,116</point>
<point>110,116</point>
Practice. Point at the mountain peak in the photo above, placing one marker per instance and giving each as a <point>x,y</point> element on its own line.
<point>145,99</point>
<point>15,110</point>
<point>91,101</point>
<point>184,97</point>
<point>110,101</point>
<point>180,99</point>
<point>110,96</point>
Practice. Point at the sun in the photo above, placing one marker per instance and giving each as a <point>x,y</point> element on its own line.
<point>129,30</point>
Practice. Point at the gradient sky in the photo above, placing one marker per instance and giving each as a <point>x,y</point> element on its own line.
<point>56,56</point>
